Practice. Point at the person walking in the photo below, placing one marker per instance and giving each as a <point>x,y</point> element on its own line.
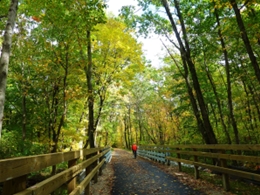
<point>134,149</point>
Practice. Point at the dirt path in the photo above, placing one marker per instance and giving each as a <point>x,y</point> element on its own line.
<point>140,177</point>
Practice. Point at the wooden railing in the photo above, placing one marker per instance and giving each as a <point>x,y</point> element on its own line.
<point>204,155</point>
<point>14,171</point>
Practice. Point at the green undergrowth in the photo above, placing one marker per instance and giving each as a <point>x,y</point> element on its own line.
<point>237,186</point>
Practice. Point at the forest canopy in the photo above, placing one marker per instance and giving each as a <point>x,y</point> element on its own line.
<point>78,77</point>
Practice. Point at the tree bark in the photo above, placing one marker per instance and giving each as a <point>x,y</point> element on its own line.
<point>192,98</point>
<point>5,56</point>
<point>24,114</point>
<point>246,39</point>
<point>229,89</point>
<point>186,58</point>
<point>88,71</point>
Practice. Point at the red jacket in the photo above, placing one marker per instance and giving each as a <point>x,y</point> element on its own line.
<point>134,147</point>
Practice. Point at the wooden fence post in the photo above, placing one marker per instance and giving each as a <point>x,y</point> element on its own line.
<point>168,154</point>
<point>95,178</point>
<point>100,159</point>
<point>196,170</point>
<point>88,170</point>
<point>14,185</point>
<point>225,177</point>
<point>179,156</point>
<point>72,183</point>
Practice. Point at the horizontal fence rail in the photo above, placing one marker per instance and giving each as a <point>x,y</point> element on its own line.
<point>219,158</point>
<point>14,171</point>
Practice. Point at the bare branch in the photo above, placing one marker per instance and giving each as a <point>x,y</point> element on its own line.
<point>3,16</point>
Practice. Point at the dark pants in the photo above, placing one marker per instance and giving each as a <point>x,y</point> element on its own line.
<point>134,152</point>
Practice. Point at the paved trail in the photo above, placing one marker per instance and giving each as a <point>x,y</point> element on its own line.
<point>141,177</point>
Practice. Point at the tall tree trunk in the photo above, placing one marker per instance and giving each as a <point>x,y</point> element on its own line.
<point>256,103</point>
<point>52,123</point>
<point>24,105</point>
<point>208,133</point>
<point>139,124</point>
<point>253,92</point>
<point>229,90</point>
<point>24,116</point>
<point>152,138</point>
<point>53,117</point>
<point>64,98</point>
<point>212,83</point>
<point>192,98</point>
<point>161,134</point>
<point>88,71</point>
<point>5,56</point>
<point>249,111</point>
<point>125,132</point>
<point>57,133</point>
<point>130,126</point>
<point>141,136</point>
<point>102,97</point>
<point>245,39</point>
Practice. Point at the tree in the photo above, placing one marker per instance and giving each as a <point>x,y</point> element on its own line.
<point>245,38</point>
<point>117,58</point>
<point>5,56</point>
<point>192,28</point>
<point>161,26</point>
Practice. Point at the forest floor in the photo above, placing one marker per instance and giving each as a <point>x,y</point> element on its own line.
<point>138,177</point>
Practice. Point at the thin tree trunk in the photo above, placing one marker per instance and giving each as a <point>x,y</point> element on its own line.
<point>192,98</point>
<point>24,105</point>
<point>150,136</point>
<point>125,131</point>
<point>253,93</point>
<point>255,103</point>
<point>64,106</point>
<point>102,97</point>
<point>24,116</point>
<point>5,56</point>
<point>139,121</point>
<point>218,104</point>
<point>141,136</point>
<point>56,134</point>
<point>53,112</point>
<point>88,71</point>
<point>229,90</point>
<point>246,39</point>
<point>208,134</point>
<point>130,126</point>
<point>248,108</point>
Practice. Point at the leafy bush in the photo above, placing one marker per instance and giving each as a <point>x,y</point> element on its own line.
<point>12,145</point>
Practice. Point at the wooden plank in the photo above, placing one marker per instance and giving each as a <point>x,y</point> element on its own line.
<point>180,160</point>
<point>243,158</point>
<point>225,177</point>
<point>15,167</point>
<point>49,185</point>
<point>89,169</point>
<point>245,147</point>
<point>87,172</point>
<point>90,151</point>
<point>16,185</point>
<point>72,183</point>
<point>80,188</point>
<point>196,170</point>
<point>179,157</point>
<point>229,171</point>
<point>100,160</point>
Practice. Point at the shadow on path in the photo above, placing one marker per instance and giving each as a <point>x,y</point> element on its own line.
<point>140,177</point>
